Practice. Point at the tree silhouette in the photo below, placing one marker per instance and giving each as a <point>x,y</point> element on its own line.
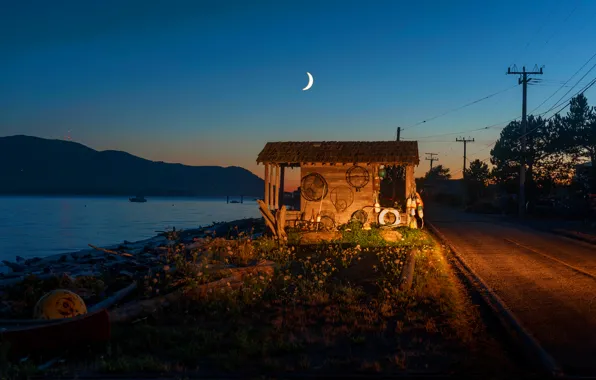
<point>478,172</point>
<point>438,173</point>
<point>547,163</point>
<point>476,178</point>
<point>577,132</point>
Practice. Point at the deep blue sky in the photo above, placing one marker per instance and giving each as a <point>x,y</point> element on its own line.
<point>209,82</point>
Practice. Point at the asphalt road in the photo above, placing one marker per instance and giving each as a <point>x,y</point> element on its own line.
<point>547,281</point>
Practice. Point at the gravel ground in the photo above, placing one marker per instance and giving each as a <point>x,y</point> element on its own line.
<point>554,302</point>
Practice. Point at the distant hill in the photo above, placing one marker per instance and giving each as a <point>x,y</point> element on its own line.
<point>32,165</point>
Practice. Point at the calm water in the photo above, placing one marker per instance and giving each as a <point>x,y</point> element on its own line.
<point>41,226</point>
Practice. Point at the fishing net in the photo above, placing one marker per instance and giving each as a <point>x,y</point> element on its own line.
<point>313,187</point>
<point>357,177</point>
<point>360,216</point>
<point>342,197</point>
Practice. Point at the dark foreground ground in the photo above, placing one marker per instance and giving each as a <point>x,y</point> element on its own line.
<point>329,309</point>
<point>547,281</point>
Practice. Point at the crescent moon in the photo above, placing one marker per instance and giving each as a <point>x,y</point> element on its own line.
<point>310,82</point>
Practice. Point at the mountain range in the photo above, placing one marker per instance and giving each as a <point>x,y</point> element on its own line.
<point>33,165</point>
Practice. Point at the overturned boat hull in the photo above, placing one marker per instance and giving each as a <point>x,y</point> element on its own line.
<point>55,334</point>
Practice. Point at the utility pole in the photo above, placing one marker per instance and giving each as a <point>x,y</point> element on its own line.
<point>465,141</point>
<point>432,159</point>
<point>523,79</point>
<point>398,133</point>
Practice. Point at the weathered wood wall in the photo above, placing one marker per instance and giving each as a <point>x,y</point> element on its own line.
<point>335,175</point>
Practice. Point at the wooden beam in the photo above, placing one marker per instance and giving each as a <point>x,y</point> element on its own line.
<point>267,184</point>
<point>271,187</point>
<point>282,185</point>
<point>410,184</point>
<point>277,190</point>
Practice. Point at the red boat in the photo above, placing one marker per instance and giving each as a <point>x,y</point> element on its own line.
<point>34,335</point>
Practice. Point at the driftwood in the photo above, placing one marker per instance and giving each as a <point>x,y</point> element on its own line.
<point>277,222</point>
<point>236,279</point>
<point>113,299</point>
<point>110,251</point>
<point>407,272</point>
<point>268,216</point>
<point>16,280</point>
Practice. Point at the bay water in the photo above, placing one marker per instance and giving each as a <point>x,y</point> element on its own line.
<point>38,226</point>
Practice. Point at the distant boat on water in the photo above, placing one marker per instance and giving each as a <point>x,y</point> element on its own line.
<point>138,199</point>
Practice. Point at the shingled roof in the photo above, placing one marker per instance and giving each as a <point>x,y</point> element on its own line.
<point>344,152</point>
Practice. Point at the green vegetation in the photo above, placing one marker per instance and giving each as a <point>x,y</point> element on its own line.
<point>330,308</point>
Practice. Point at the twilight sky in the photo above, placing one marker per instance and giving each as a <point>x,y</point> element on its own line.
<point>210,82</point>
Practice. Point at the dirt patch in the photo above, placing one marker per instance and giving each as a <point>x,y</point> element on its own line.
<point>391,235</point>
<point>318,237</point>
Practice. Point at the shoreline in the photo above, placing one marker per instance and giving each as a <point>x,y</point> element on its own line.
<point>19,268</point>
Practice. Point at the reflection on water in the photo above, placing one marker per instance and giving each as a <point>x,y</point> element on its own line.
<point>40,226</point>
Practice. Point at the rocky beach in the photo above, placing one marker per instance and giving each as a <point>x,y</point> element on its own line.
<point>97,273</point>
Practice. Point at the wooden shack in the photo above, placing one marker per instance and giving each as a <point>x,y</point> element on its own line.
<point>339,179</point>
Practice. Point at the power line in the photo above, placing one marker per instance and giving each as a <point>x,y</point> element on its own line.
<point>564,21</point>
<point>457,108</point>
<point>455,133</point>
<point>546,19</point>
<point>567,81</point>
<point>470,130</point>
<point>568,91</point>
<point>592,83</point>
<point>566,104</point>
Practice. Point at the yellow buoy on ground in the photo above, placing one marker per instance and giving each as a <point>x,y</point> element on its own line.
<point>58,304</point>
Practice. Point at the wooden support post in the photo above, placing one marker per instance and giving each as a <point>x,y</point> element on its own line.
<point>410,182</point>
<point>277,189</point>
<point>282,184</point>
<point>272,188</point>
<point>267,184</point>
